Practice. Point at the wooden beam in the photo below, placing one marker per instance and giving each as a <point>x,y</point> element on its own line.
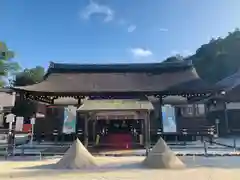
<point>149,130</point>
<point>35,98</point>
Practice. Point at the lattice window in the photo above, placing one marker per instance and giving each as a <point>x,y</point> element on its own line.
<point>193,110</point>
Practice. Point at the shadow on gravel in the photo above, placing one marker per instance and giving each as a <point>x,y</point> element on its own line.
<point>191,162</point>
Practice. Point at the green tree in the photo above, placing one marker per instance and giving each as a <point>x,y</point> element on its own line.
<point>29,76</point>
<point>7,66</point>
<point>177,58</point>
<point>24,107</point>
<point>219,58</point>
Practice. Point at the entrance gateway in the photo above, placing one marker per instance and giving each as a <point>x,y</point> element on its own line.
<point>158,80</point>
<point>116,123</point>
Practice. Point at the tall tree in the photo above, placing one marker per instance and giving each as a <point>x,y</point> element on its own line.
<point>7,66</point>
<point>24,107</point>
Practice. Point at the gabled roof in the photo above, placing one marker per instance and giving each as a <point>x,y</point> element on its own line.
<point>149,78</point>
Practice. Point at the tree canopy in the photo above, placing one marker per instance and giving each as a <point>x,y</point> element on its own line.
<point>7,66</point>
<point>24,107</point>
<point>29,76</point>
<point>217,59</point>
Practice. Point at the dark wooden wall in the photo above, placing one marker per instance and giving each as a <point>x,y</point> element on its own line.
<point>192,122</point>
<point>229,124</point>
<point>234,119</point>
<point>53,121</point>
<point>156,117</point>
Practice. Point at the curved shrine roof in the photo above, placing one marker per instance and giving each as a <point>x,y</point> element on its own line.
<point>93,79</point>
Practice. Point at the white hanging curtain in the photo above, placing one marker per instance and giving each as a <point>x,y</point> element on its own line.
<point>1,120</point>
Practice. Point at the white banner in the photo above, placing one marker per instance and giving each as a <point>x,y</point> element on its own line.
<point>10,118</point>
<point>19,123</point>
<point>69,121</point>
<point>32,120</point>
<point>1,120</point>
<point>169,119</point>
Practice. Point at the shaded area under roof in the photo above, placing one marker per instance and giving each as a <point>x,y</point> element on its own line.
<point>172,100</point>
<point>175,100</point>
<point>116,105</point>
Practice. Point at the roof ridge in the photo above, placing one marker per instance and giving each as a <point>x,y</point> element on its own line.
<point>53,64</point>
<point>120,67</point>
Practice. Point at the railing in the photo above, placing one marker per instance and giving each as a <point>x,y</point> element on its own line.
<point>52,149</point>
<point>203,132</point>
<point>233,145</point>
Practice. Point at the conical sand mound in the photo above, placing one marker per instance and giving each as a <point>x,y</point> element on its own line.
<point>162,157</point>
<point>76,157</point>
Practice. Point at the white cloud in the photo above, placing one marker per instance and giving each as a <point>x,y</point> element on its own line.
<point>94,8</point>
<point>163,29</point>
<point>131,28</point>
<point>141,52</point>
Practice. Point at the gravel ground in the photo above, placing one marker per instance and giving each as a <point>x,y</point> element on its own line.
<point>123,168</point>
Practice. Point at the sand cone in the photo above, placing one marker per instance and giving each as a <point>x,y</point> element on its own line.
<point>162,157</point>
<point>76,157</point>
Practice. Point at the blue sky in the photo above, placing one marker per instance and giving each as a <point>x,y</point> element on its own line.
<point>111,31</point>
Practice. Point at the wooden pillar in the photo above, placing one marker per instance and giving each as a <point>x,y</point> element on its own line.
<point>79,124</point>
<point>226,117</point>
<point>160,114</point>
<point>149,129</point>
<point>94,129</point>
<point>86,131</point>
<point>147,133</point>
<point>145,136</point>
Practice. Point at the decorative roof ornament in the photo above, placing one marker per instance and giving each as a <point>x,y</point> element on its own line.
<point>190,62</point>
<point>51,64</point>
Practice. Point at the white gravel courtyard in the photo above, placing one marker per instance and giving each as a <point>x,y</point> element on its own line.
<point>121,168</point>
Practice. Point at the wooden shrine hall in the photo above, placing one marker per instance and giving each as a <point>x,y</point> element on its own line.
<point>119,81</point>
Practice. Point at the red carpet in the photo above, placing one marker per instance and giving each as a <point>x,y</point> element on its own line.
<point>26,128</point>
<point>119,141</point>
